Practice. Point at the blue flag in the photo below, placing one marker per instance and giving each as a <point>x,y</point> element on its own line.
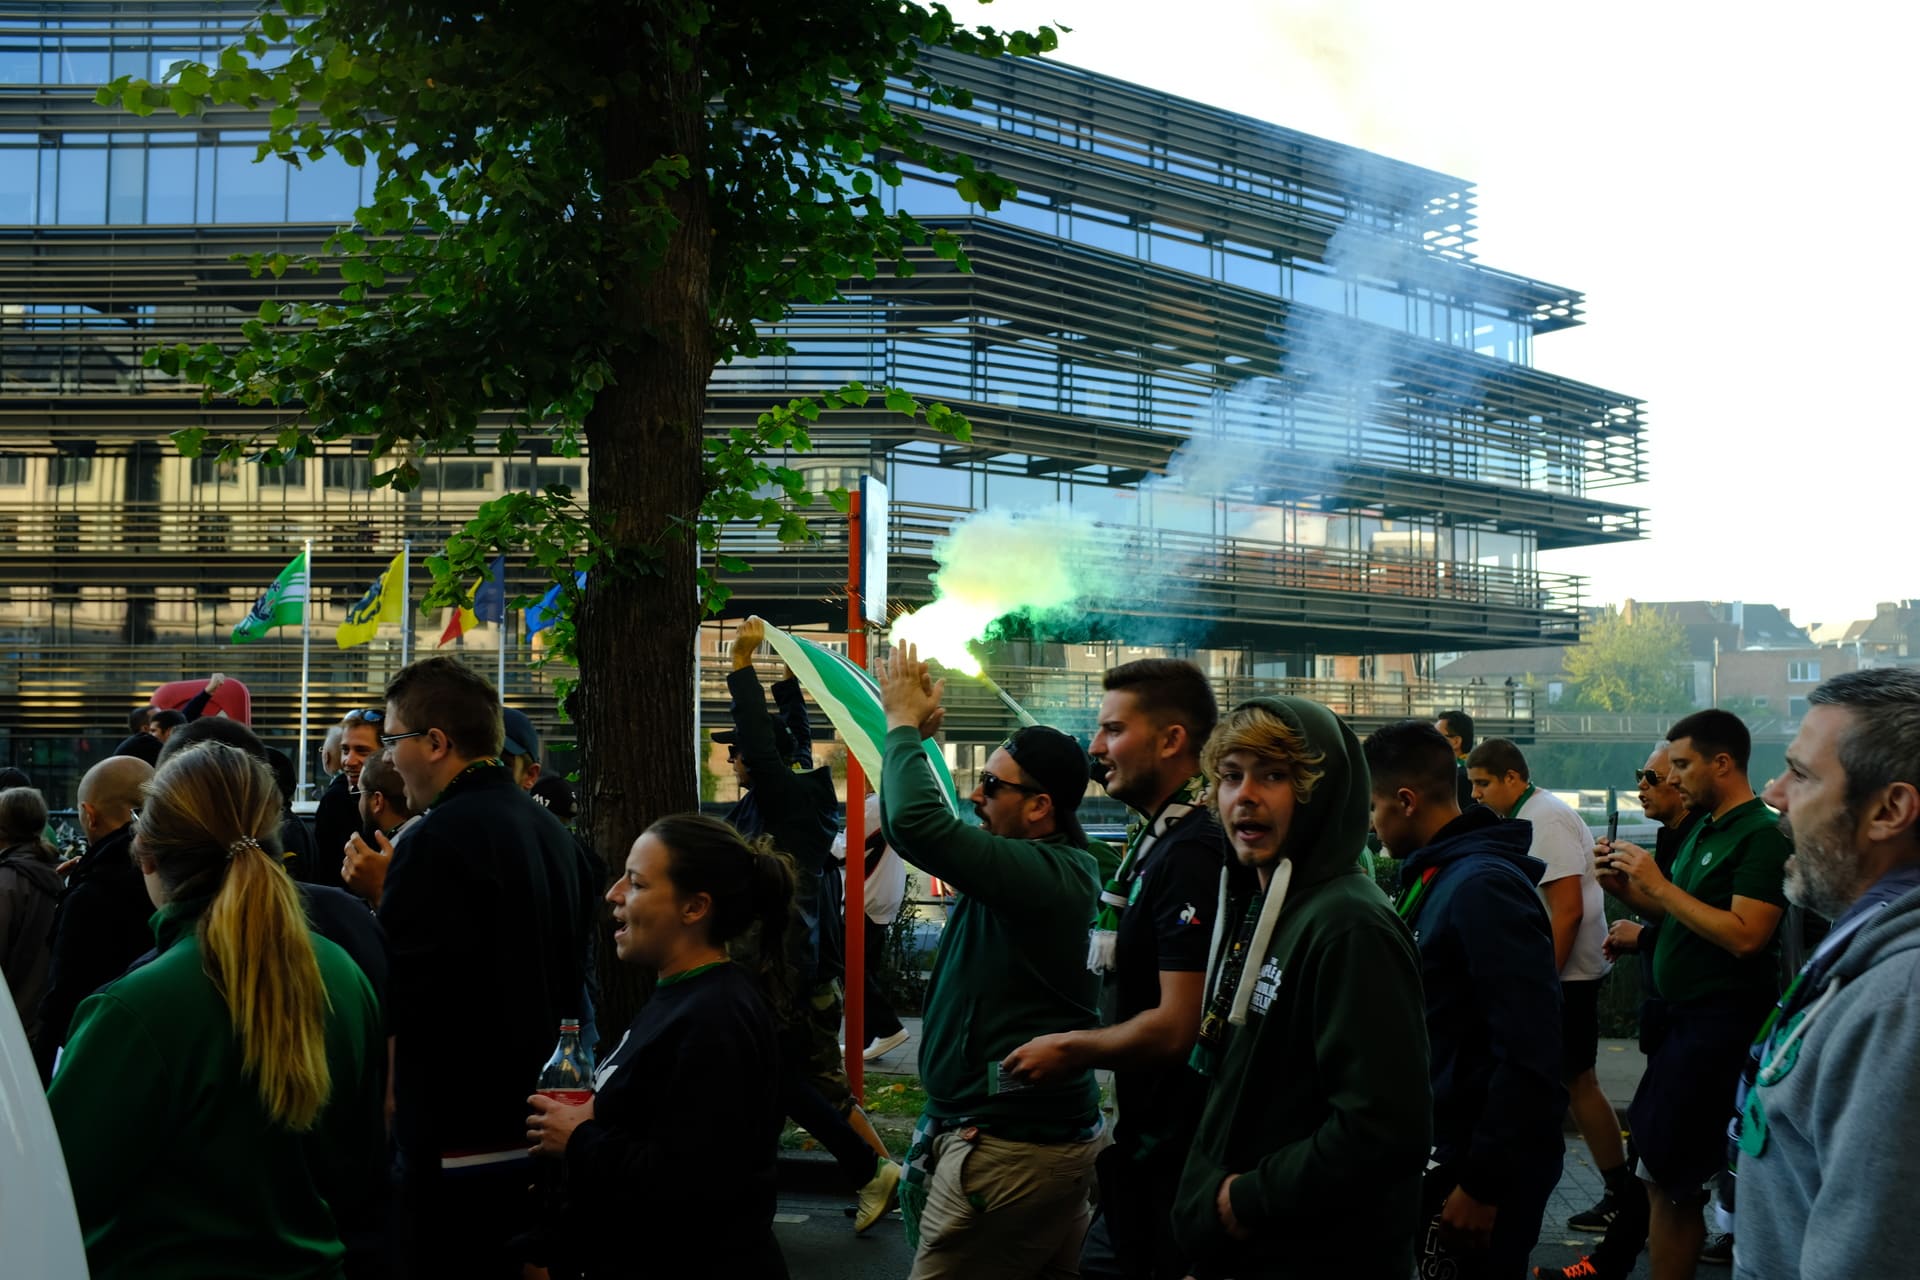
<point>547,611</point>
<point>490,600</point>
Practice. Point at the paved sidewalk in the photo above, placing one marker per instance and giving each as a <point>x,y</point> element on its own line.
<point>1619,1066</point>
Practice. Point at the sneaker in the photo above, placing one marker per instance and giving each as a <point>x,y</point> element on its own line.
<point>1596,1219</point>
<point>881,1046</point>
<point>878,1196</point>
<point>1581,1270</point>
<point>1718,1250</point>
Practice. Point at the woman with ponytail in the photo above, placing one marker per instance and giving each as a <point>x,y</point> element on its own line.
<point>677,1147</point>
<point>220,1104</point>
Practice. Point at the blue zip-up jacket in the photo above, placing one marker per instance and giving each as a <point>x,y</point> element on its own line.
<point>1493,1001</point>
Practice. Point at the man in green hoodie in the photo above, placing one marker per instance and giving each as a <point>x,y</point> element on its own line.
<point>1308,1157</point>
<point>999,1167</point>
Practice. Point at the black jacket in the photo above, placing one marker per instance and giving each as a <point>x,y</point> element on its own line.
<point>99,928</point>
<point>1493,1001</point>
<point>142,746</point>
<point>681,1147</point>
<point>482,911</point>
<point>336,819</point>
<point>799,810</point>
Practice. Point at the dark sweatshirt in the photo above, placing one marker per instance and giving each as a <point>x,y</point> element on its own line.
<point>1318,1100</point>
<point>1492,999</point>
<point>100,927</point>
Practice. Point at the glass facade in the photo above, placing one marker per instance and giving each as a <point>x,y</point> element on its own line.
<point>1171,280</point>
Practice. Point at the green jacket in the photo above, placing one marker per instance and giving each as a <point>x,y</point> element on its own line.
<point>176,1169</point>
<point>1319,1101</point>
<point>1012,962</point>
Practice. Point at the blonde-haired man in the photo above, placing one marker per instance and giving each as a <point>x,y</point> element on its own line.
<point>1308,1156</point>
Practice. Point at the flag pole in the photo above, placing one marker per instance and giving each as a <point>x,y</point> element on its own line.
<point>306,666</point>
<point>406,600</point>
<point>506,631</point>
<point>853,954</point>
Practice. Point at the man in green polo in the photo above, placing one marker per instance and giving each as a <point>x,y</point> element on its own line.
<point>1715,965</point>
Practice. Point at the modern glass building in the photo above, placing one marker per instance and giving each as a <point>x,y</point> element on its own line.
<point>1270,369</point>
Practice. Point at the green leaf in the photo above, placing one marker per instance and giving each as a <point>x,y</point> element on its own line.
<point>269,312</point>
<point>190,441</point>
<point>274,26</point>
<point>182,102</point>
<point>194,80</point>
<point>899,401</point>
<point>842,500</point>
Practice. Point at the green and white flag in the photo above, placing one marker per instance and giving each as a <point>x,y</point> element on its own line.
<point>852,701</point>
<point>284,604</point>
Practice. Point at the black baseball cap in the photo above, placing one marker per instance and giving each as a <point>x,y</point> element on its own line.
<point>522,739</point>
<point>1057,763</point>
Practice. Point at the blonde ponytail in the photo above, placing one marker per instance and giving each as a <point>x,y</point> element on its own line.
<point>209,817</point>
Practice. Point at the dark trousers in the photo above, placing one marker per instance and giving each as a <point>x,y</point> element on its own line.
<point>880,1018</point>
<point>460,1222</point>
<point>1516,1228</point>
<point>1132,1233</point>
<point>806,1108</point>
<point>1620,1248</point>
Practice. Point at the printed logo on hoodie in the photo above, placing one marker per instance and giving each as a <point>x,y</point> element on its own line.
<point>1266,986</point>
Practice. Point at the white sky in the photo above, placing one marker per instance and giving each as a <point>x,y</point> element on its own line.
<point>1729,185</point>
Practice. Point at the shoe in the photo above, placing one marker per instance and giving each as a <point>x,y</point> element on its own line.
<point>1596,1219</point>
<point>1718,1250</point>
<point>878,1196</point>
<point>884,1045</point>
<point>1581,1270</point>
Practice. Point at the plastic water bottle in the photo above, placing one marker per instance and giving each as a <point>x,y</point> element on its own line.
<point>565,1078</point>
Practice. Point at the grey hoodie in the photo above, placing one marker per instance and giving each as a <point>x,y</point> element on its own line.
<point>1830,1193</point>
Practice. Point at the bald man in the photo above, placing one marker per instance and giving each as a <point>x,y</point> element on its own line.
<point>101,924</point>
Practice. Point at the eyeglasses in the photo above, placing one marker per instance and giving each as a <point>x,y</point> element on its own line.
<point>1647,778</point>
<point>388,739</point>
<point>363,717</point>
<point>990,785</point>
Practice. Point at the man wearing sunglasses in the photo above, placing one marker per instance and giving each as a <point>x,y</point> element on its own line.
<point>336,820</point>
<point>1000,1164</point>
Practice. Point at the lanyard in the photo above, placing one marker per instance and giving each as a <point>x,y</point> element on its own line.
<point>1409,900</point>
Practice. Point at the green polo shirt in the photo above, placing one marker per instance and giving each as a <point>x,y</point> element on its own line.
<point>1740,854</point>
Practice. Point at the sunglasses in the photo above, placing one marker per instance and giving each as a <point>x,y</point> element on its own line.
<point>1647,778</point>
<point>990,785</point>
<point>364,717</point>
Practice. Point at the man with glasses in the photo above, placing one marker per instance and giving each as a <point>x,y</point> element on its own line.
<point>1000,1164</point>
<point>385,815</point>
<point>482,908</point>
<point>336,821</point>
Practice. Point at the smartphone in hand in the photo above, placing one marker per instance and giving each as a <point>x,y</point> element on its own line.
<point>1613,827</point>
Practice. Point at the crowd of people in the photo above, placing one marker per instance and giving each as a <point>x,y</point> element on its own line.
<point>278,1052</point>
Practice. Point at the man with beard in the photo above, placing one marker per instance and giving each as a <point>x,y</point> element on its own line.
<point>1307,1158</point>
<point>1492,996</point>
<point>999,1166</point>
<point>1715,966</point>
<point>1829,1136</point>
<point>1150,946</point>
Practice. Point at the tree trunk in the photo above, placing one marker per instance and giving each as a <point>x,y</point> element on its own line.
<point>640,617</point>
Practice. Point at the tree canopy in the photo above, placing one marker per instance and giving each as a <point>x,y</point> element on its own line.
<point>1628,666</point>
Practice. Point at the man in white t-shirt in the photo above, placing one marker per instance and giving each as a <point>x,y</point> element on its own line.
<point>886,891</point>
<point>1577,907</point>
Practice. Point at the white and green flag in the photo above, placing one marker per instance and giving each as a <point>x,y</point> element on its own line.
<point>852,701</point>
<point>284,604</point>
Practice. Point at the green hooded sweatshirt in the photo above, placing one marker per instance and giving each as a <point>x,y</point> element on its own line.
<point>1318,1096</point>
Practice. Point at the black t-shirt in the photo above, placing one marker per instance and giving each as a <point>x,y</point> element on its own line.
<point>1168,925</point>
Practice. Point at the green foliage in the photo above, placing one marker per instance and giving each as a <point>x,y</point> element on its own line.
<point>534,168</point>
<point>1637,666</point>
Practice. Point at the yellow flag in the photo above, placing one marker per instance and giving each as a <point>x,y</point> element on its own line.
<point>385,601</point>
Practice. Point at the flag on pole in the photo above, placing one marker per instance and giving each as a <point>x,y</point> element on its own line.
<point>464,619</point>
<point>546,611</point>
<point>490,594</point>
<point>385,601</point>
<point>851,700</point>
<point>284,604</point>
